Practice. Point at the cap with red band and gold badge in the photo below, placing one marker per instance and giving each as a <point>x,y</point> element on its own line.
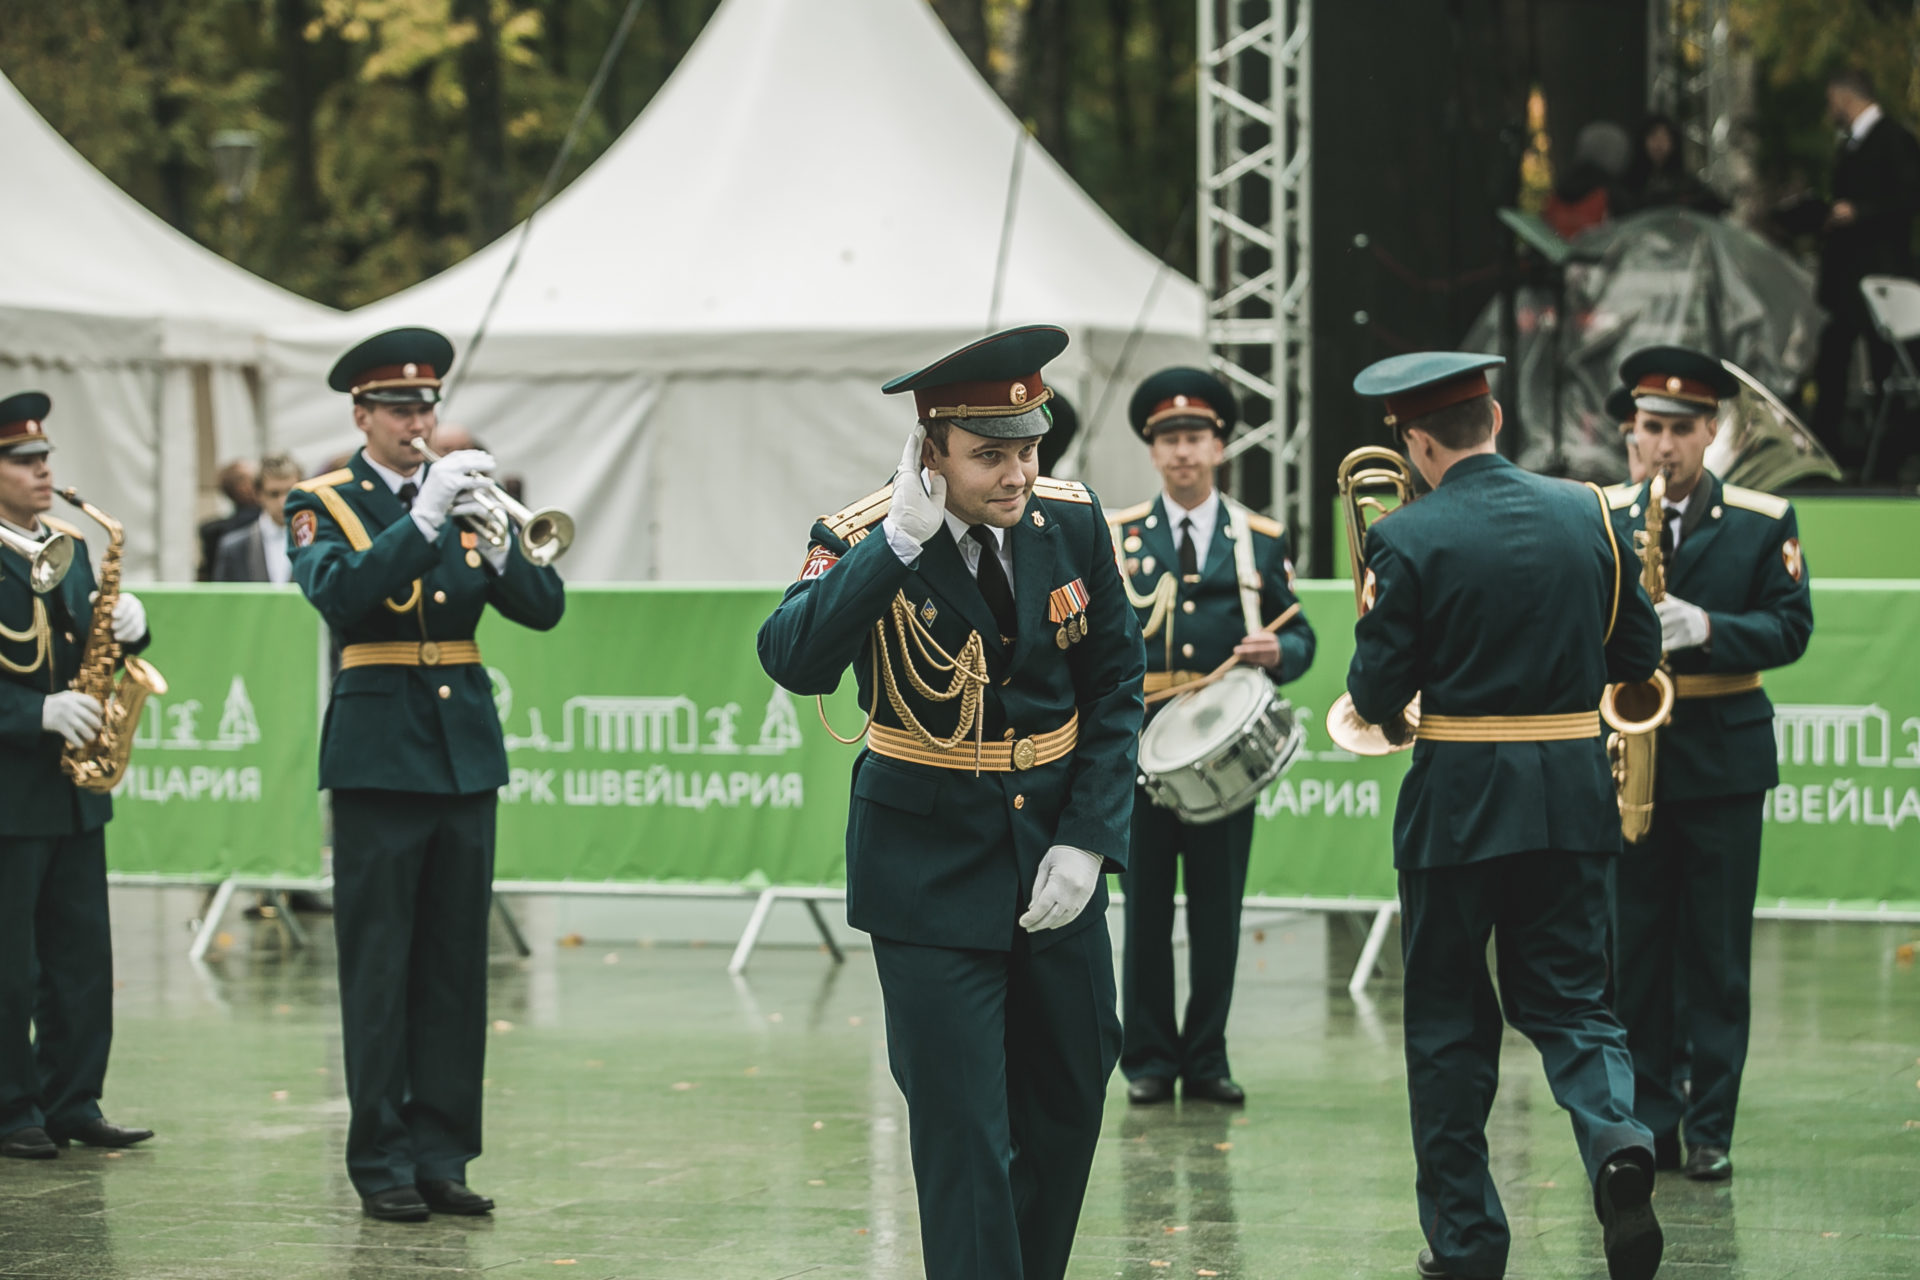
<point>23,432</point>
<point>991,387</point>
<point>1182,398</point>
<point>1677,381</point>
<point>400,366</point>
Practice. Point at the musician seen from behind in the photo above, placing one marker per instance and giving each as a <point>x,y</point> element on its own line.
<point>1505,601</point>
<point>56,947</point>
<point>412,751</point>
<point>981,614</point>
<point>1204,576</point>
<point>1737,603</point>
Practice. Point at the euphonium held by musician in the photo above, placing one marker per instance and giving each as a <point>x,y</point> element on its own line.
<point>53,875</point>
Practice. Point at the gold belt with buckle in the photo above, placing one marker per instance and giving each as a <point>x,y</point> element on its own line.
<point>1565,728</point>
<point>406,653</point>
<point>1160,681</point>
<point>1717,685</point>
<point>994,757</point>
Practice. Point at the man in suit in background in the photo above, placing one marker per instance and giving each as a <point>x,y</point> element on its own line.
<point>237,482</point>
<point>1869,231</point>
<point>257,550</point>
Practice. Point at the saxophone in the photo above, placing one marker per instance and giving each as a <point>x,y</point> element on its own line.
<point>1636,711</point>
<point>101,764</point>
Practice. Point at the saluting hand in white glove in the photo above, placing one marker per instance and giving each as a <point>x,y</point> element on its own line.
<point>73,715</point>
<point>446,481</point>
<point>1065,883</point>
<point>916,512</point>
<point>1682,625</point>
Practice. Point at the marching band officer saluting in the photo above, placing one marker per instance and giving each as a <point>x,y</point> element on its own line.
<point>982,615</point>
<point>1505,602</point>
<point>1738,602</point>
<point>1203,574</point>
<point>56,946</point>
<point>413,753</point>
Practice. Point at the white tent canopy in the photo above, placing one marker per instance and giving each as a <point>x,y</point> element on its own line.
<point>149,345</point>
<point>689,355</point>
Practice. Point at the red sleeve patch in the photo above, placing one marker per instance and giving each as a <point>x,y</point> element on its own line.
<point>818,561</point>
<point>304,525</point>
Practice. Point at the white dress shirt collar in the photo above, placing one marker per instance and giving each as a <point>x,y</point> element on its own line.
<point>273,540</point>
<point>392,478</point>
<point>1863,123</point>
<point>38,533</point>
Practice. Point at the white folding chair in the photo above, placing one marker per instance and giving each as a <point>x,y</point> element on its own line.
<point>1894,305</point>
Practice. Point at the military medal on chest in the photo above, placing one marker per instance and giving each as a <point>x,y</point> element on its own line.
<point>1067,607</point>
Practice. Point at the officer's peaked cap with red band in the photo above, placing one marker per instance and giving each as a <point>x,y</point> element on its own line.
<point>400,366</point>
<point>991,387</point>
<point>1182,397</point>
<point>1425,382</point>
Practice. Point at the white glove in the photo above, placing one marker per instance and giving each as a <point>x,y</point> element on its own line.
<point>129,618</point>
<point>1682,625</point>
<point>1067,879</point>
<point>917,510</point>
<point>468,505</point>
<point>74,716</point>
<point>446,480</point>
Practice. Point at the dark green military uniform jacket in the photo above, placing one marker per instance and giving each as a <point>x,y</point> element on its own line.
<point>938,856</point>
<point>375,578</point>
<point>1494,596</point>
<point>1194,626</point>
<point>36,798</point>
<point>1740,560</point>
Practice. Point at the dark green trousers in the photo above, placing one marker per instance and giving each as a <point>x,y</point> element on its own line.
<point>1546,915</point>
<point>412,889</point>
<point>1004,1058</point>
<point>1683,922</point>
<point>1215,856</point>
<point>56,980</point>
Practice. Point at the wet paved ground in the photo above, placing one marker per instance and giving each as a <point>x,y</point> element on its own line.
<point>648,1117</point>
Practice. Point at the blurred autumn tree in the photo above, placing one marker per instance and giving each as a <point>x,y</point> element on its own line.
<point>398,136</point>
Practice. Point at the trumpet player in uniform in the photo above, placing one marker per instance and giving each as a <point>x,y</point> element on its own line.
<point>1505,603</point>
<point>1737,603</point>
<point>56,948</point>
<point>1203,574</point>
<point>413,753</point>
<point>980,611</point>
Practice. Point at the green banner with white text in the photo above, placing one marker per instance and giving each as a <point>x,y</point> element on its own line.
<point>646,745</point>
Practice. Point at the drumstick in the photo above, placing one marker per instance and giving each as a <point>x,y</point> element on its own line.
<point>1232,661</point>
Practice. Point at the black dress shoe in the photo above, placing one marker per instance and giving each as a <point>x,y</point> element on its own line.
<point>396,1204</point>
<point>444,1195</point>
<point>1148,1090</point>
<point>1666,1151</point>
<point>1428,1267</point>
<point>30,1143</point>
<point>1709,1164</point>
<point>1630,1233</point>
<point>99,1133</point>
<point>1219,1089</point>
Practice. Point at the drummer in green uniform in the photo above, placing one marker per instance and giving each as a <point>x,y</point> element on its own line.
<point>413,753</point>
<point>1505,602</point>
<point>978,607</point>
<point>1738,602</point>
<point>1204,575</point>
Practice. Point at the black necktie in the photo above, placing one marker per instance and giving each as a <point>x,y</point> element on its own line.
<point>407,493</point>
<point>1189,555</point>
<point>993,583</point>
<point>1669,537</point>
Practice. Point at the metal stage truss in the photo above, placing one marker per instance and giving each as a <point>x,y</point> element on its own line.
<point>1255,246</point>
<point>1690,76</point>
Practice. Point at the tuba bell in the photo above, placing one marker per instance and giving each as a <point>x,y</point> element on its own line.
<point>1364,478</point>
<point>1636,711</point>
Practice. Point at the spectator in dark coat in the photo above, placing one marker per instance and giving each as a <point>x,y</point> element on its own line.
<point>1659,177</point>
<point>237,482</point>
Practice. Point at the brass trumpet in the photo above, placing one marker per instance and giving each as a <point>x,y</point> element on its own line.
<point>545,535</point>
<point>47,562</point>
<point>1636,711</point>
<point>1364,476</point>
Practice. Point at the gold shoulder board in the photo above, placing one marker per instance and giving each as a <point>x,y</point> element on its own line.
<point>1265,524</point>
<point>1620,496</point>
<point>1134,512</point>
<point>1062,490</point>
<point>61,526</point>
<point>864,514</point>
<point>1767,504</point>
<point>328,480</point>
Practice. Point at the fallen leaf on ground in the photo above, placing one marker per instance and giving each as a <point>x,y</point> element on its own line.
<point>776,1017</point>
<point>283,1008</point>
<point>1259,935</point>
<point>1242,1120</point>
<point>1548,1185</point>
<point>595,1062</point>
<point>279,1095</point>
<point>1204,1272</point>
<point>1223,1146</point>
<point>113,1155</point>
<point>855,1020</point>
<point>753,1071</point>
<point>502,1025</point>
<point>566,1262</point>
<point>1829,1235</point>
<point>1157,1262</point>
<point>572,940</point>
<point>816,1182</point>
<point>612,957</point>
<point>819,1124</point>
<point>859,1231</point>
<point>681,1086</point>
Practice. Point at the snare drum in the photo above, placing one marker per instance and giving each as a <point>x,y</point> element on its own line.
<point>1210,752</point>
